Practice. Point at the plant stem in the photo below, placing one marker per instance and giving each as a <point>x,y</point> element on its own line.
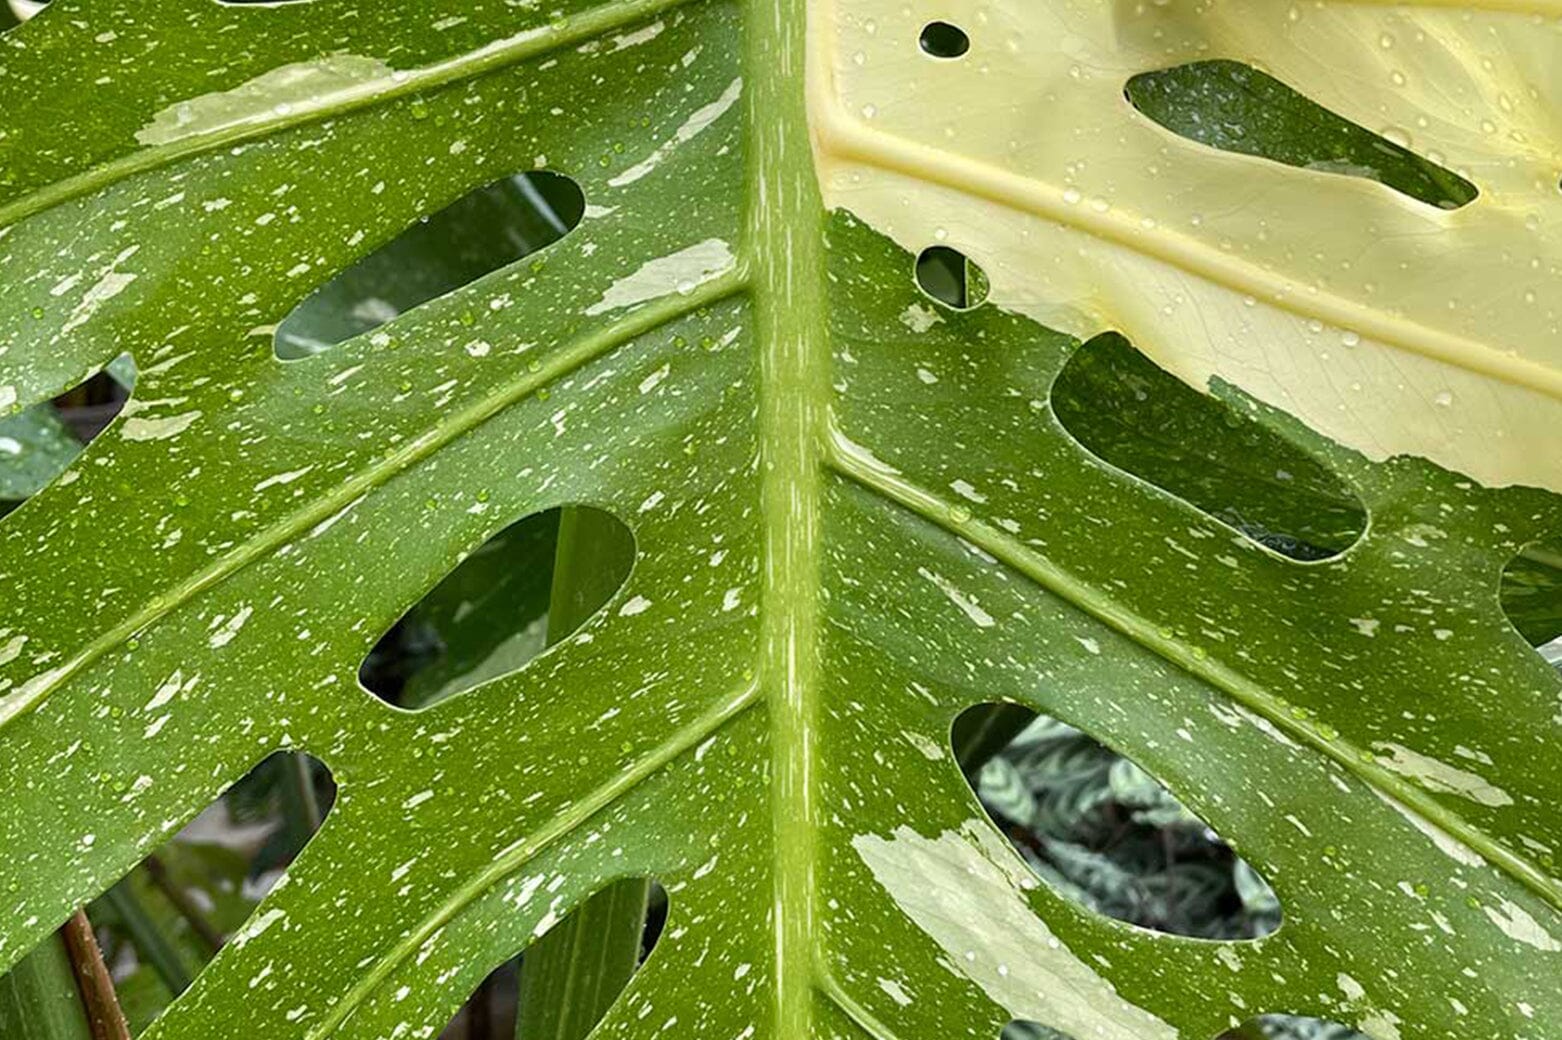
<point>572,975</point>
<point>104,1018</point>
<point>181,901</point>
<point>152,946</point>
<point>300,807</point>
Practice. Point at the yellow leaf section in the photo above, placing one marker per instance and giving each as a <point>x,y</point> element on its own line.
<point>1389,325</point>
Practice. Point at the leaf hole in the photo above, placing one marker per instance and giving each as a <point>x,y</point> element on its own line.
<point>632,912</point>
<point>943,40</point>
<point>1291,1027</point>
<point>1213,455</point>
<point>15,12</point>
<point>1104,833</point>
<point>1531,597</point>
<point>1237,108</point>
<point>483,231</point>
<point>951,278</point>
<point>1021,1029</point>
<point>40,442</point>
<point>169,915</point>
<point>531,585</point>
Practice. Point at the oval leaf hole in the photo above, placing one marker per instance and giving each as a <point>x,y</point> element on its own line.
<point>1236,108</point>
<point>942,40</point>
<point>1132,414</point>
<point>491,614</point>
<point>169,915</point>
<point>634,910</point>
<point>15,12</point>
<point>1105,833</point>
<point>951,278</point>
<point>1020,1029</point>
<point>1532,597</point>
<point>39,443</point>
<point>487,229</point>
<point>1291,1027</point>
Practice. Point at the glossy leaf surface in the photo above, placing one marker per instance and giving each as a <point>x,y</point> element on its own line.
<point>855,515</point>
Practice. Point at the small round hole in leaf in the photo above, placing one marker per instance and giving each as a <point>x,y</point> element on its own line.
<point>951,278</point>
<point>942,40</point>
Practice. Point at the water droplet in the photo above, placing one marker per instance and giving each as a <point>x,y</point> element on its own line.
<point>1350,339</point>
<point>959,514</point>
<point>1072,197</point>
<point>1444,399</point>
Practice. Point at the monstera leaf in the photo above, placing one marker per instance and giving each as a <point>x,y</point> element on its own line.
<point>856,513</point>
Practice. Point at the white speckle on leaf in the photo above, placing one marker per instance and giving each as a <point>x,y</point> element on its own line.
<point>677,272</point>
<point>257,925</point>
<point>966,890</point>
<point>288,89</point>
<point>930,749</point>
<point>10,650</point>
<point>968,605</point>
<point>111,282</point>
<point>919,318</point>
<point>651,381</point>
<point>1517,924</point>
<point>638,605</point>
<point>137,428</point>
<point>639,36</point>
<point>1440,776</point>
<point>225,635</point>
<point>968,492</point>
<point>1445,842</point>
<point>172,687</point>
<point>282,478</point>
<point>697,122</point>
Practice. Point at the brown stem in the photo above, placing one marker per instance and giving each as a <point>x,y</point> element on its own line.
<point>158,872</point>
<point>104,1017</point>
